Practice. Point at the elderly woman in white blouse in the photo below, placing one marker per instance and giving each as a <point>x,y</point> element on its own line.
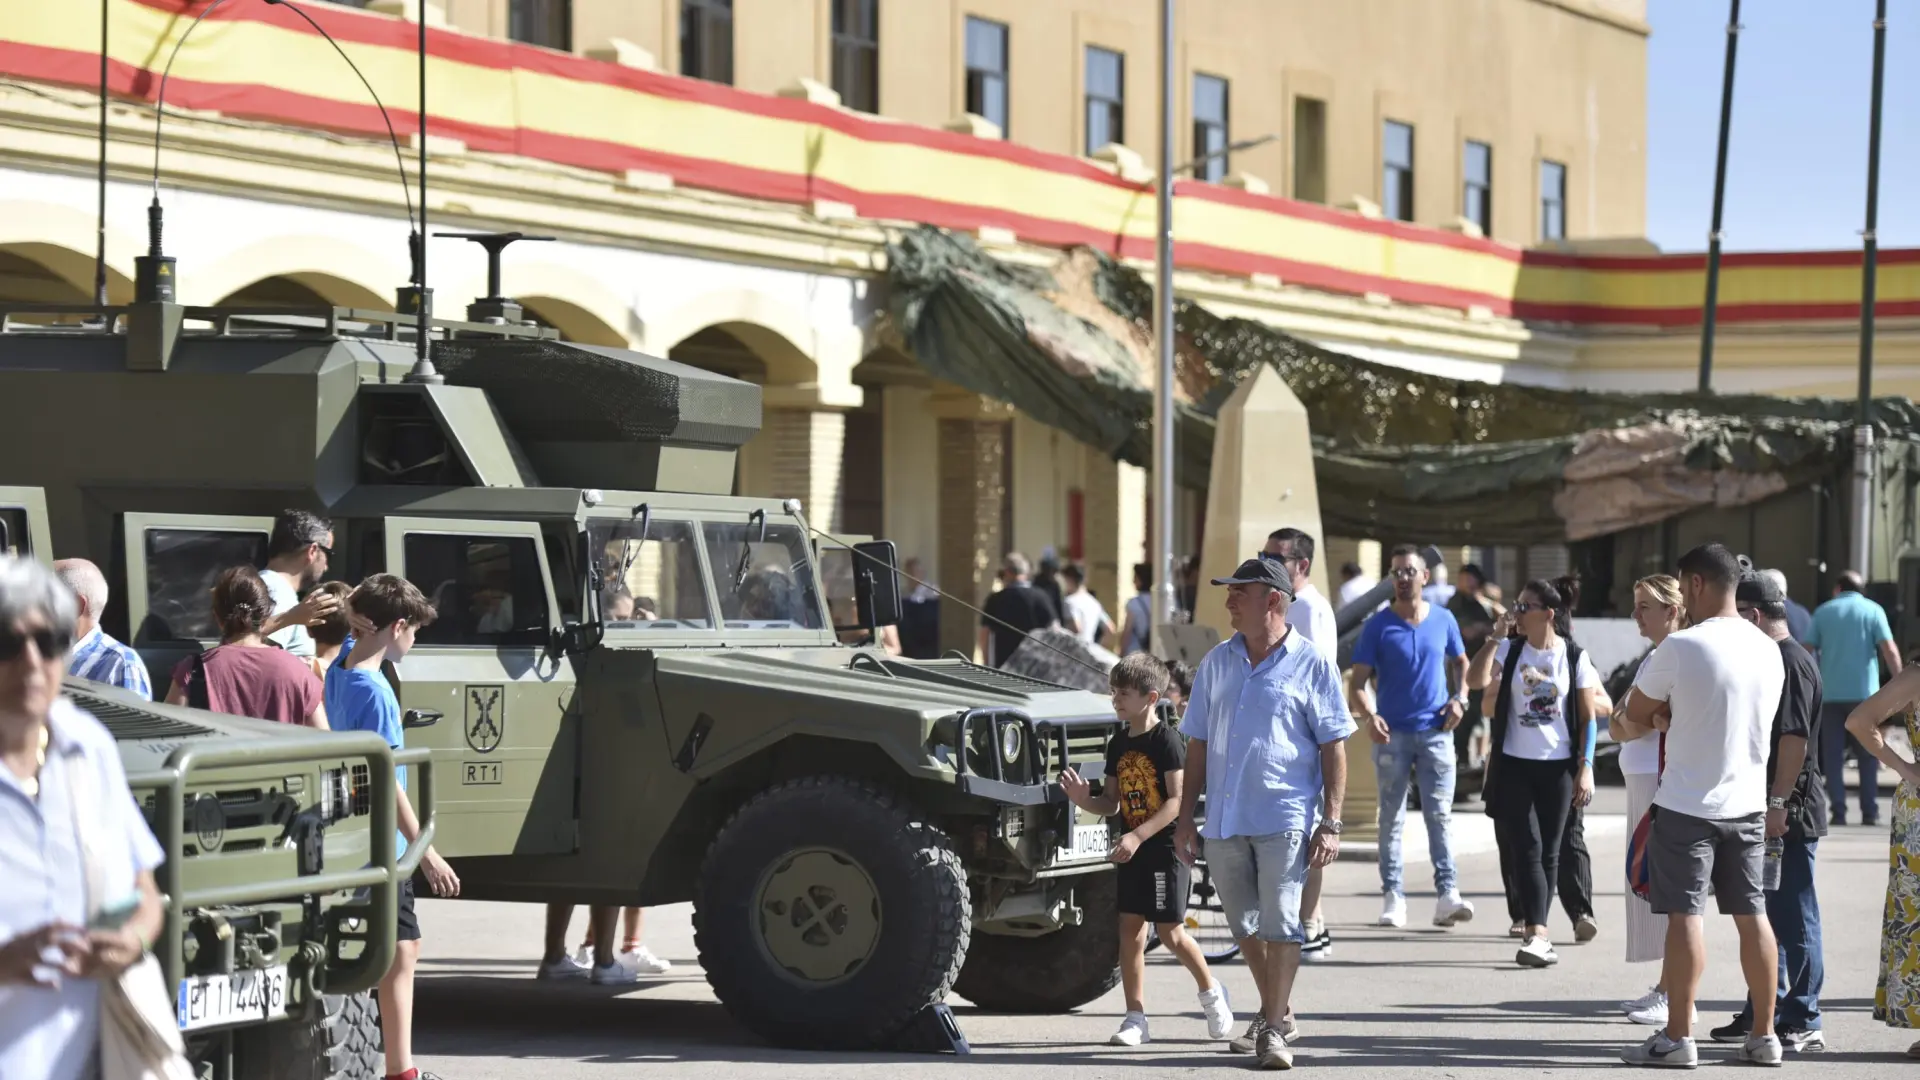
<point>60,780</point>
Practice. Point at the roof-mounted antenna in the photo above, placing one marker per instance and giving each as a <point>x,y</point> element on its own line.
<point>399,161</point>
<point>493,307</point>
<point>418,296</point>
<point>154,273</point>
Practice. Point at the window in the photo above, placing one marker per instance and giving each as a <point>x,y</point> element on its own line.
<point>856,53</point>
<point>182,566</point>
<point>763,584</point>
<point>1476,195</point>
<point>14,538</point>
<point>650,584</point>
<point>541,22</point>
<point>1553,200</point>
<point>836,577</point>
<point>1309,149</point>
<point>1210,127</point>
<point>987,71</point>
<point>485,590</point>
<point>1106,98</point>
<point>706,40</point>
<point>1396,173</point>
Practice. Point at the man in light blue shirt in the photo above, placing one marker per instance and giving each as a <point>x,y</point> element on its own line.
<point>1847,632</point>
<point>98,655</point>
<point>1266,728</point>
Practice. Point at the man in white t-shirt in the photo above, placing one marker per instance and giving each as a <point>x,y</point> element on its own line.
<point>1312,616</point>
<point>1083,614</point>
<point>1714,689</point>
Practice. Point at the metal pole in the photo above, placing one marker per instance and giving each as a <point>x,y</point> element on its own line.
<point>100,181</point>
<point>1711,307</point>
<point>1863,463</point>
<point>423,370</point>
<point>1165,591</point>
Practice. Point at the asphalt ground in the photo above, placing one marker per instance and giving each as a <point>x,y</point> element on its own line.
<point>1390,1003</point>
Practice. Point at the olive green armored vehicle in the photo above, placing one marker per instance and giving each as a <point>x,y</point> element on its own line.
<point>280,879</point>
<point>634,692</point>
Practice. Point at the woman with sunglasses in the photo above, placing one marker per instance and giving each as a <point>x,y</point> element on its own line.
<point>1541,769</point>
<point>61,783</point>
<point>246,675</point>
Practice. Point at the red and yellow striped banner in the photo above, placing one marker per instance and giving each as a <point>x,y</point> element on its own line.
<point>254,60</point>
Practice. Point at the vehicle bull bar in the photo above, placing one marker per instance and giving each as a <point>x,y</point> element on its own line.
<point>1036,736</point>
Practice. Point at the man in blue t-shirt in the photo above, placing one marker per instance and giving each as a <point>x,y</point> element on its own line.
<point>1847,633</point>
<point>1411,652</point>
<point>359,699</point>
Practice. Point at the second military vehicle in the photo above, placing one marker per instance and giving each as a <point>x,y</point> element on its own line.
<point>634,691</point>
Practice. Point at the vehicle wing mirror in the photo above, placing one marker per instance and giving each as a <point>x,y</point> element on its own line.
<point>876,583</point>
<point>419,718</point>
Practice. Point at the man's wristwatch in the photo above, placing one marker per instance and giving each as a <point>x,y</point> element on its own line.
<point>1332,825</point>
<point>1776,802</point>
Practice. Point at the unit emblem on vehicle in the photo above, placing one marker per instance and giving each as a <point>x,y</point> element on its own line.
<point>486,717</point>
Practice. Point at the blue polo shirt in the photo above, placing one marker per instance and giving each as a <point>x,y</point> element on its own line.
<point>1261,729</point>
<point>1411,663</point>
<point>1848,630</point>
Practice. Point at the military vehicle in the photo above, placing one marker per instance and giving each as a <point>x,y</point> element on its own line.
<point>280,879</point>
<point>641,697</point>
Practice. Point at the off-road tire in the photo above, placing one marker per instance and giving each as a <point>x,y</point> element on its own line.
<point>1055,973</point>
<point>340,1041</point>
<point>926,914</point>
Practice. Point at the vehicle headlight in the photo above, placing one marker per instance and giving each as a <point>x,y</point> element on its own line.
<point>336,795</point>
<point>1012,741</point>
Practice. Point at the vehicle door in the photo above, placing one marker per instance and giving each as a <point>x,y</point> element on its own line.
<point>484,689</point>
<point>23,523</point>
<point>172,562</point>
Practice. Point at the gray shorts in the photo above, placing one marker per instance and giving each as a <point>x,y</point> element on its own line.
<point>1685,854</point>
<point>1260,879</point>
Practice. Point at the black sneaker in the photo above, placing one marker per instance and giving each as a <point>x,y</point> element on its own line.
<point>1735,1032</point>
<point>1318,948</point>
<point>1837,819</point>
<point>1802,1042</point>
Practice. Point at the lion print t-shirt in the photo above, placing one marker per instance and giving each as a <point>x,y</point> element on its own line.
<point>1137,766</point>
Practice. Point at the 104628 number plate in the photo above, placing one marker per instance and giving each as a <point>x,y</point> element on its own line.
<point>1089,842</point>
<point>244,996</point>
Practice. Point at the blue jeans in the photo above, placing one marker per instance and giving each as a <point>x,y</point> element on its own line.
<point>1836,745</point>
<point>1427,756</point>
<point>1261,879</point>
<point>1794,912</point>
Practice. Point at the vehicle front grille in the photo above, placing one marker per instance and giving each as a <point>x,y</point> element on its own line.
<point>362,790</point>
<point>1077,746</point>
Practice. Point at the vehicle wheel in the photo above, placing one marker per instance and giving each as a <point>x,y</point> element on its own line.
<point>1054,973</point>
<point>340,1041</point>
<point>828,914</point>
<point>1206,920</point>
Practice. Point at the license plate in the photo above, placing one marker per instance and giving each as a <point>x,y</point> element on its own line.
<point>244,996</point>
<point>1089,842</point>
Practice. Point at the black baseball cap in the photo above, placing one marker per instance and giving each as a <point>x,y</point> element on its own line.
<point>1758,588</point>
<point>1268,572</point>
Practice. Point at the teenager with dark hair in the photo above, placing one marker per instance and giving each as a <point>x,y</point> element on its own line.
<point>245,675</point>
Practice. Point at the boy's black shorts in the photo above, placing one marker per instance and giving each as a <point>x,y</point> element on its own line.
<point>1154,885</point>
<point>409,923</point>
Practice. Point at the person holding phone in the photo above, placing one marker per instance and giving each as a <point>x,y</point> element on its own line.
<point>1547,699</point>
<point>60,781</point>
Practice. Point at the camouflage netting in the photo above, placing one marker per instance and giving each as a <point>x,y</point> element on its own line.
<point>1396,451</point>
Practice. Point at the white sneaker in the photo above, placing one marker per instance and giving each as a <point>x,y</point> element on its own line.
<point>615,974</point>
<point>641,960</point>
<point>1652,995</point>
<point>1451,910</point>
<point>564,968</point>
<point>1536,952</point>
<point>1394,911</point>
<point>1655,1015</point>
<point>584,957</point>
<point>1219,1014</point>
<point>1133,1031</point>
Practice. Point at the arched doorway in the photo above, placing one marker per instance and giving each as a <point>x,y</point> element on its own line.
<point>307,289</point>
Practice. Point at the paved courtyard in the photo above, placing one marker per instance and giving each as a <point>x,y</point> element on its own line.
<point>1391,1003</point>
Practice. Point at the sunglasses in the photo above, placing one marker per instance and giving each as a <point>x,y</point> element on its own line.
<point>51,643</point>
<point>1406,573</point>
<point>1523,607</point>
<point>325,550</point>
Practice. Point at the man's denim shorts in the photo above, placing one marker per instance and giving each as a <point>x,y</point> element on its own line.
<point>1260,879</point>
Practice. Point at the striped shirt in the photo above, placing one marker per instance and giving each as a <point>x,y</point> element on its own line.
<point>100,658</point>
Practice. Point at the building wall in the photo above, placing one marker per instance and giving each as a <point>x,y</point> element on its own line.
<point>1569,83</point>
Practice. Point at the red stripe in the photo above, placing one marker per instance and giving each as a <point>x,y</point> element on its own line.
<point>1346,219</point>
<point>1690,316</point>
<point>1693,261</point>
<point>1332,279</point>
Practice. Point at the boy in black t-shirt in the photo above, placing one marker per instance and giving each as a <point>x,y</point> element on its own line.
<point>1142,788</point>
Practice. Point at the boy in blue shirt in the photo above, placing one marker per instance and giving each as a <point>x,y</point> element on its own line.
<point>359,699</point>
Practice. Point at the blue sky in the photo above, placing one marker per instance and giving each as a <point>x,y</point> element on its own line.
<point>1797,167</point>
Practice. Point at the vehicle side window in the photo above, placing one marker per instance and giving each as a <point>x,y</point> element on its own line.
<point>836,578</point>
<point>487,590</point>
<point>650,584</point>
<point>182,566</point>
<point>14,538</point>
<point>763,584</point>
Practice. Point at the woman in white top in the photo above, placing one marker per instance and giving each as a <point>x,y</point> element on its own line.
<point>1547,698</point>
<point>1658,610</point>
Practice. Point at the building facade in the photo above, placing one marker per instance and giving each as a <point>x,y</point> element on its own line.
<point>1457,188</point>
